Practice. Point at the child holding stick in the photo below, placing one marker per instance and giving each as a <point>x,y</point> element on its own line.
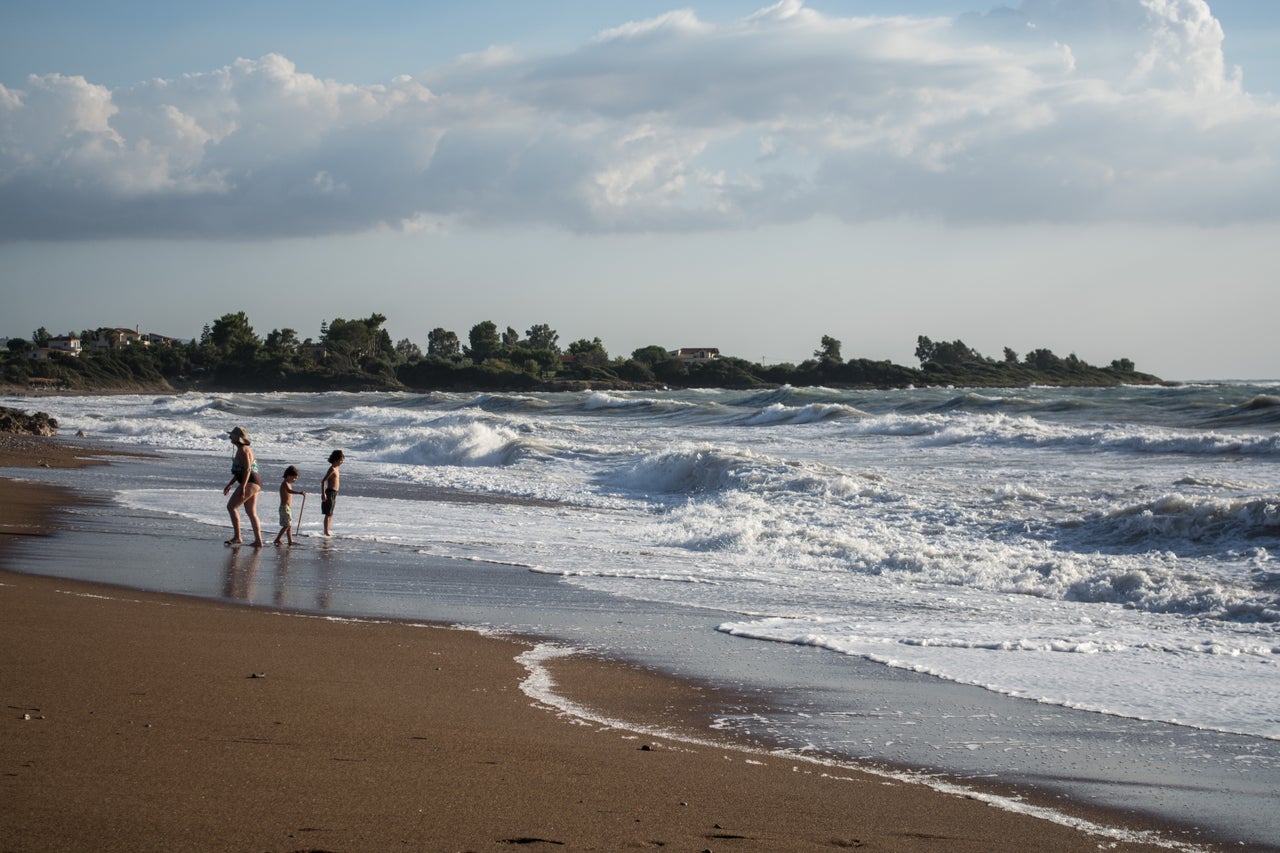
<point>287,491</point>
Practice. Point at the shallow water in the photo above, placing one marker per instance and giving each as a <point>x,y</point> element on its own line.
<point>1107,550</point>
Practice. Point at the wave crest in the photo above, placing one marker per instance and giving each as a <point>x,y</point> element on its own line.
<point>470,443</point>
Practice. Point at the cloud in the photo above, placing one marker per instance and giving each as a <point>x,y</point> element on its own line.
<point>1079,111</point>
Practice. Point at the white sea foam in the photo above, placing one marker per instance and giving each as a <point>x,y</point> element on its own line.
<point>1104,549</point>
<point>540,686</point>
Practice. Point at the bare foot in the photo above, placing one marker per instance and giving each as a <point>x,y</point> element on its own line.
<point>233,542</point>
<point>258,544</point>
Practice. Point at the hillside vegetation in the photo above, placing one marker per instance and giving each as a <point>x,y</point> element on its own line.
<point>359,355</point>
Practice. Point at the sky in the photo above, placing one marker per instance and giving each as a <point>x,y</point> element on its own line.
<point>1097,177</point>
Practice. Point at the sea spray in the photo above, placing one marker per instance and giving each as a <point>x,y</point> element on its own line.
<point>1108,549</point>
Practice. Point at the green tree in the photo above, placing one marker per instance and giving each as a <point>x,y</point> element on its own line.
<point>925,349</point>
<point>1043,359</point>
<point>829,351</point>
<point>441,343</point>
<point>40,337</point>
<point>540,363</point>
<point>589,353</point>
<point>485,342</point>
<point>232,335</point>
<point>651,355</point>
<point>543,337</point>
<point>945,352</point>
<point>359,339</point>
<point>659,364</point>
<point>282,343</point>
<point>407,350</point>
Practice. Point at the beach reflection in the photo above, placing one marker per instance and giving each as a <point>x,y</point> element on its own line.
<point>281,589</point>
<point>294,572</point>
<point>325,573</point>
<point>240,572</point>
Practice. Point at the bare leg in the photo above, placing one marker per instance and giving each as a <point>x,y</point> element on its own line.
<point>233,507</point>
<point>251,509</point>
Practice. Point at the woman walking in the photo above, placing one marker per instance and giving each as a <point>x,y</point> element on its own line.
<point>248,484</point>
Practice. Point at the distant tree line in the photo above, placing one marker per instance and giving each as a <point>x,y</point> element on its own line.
<point>359,354</point>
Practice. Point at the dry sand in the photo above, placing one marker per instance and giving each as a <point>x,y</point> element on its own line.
<point>138,721</point>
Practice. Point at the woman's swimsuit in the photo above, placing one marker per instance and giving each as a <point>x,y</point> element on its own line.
<point>237,468</point>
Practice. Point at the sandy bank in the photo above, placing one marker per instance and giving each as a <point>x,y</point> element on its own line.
<point>138,721</point>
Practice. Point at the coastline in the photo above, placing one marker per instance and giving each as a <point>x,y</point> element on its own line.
<point>147,731</point>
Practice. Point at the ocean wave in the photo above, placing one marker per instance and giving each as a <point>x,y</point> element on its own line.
<point>602,402</point>
<point>691,470</point>
<point>465,443</point>
<point>1263,410</point>
<point>897,425</point>
<point>1179,678</point>
<point>974,401</point>
<point>1026,432</point>
<point>1156,590</point>
<point>812,544</point>
<point>792,396</point>
<point>383,417</point>
<point>505,403</point>
<point>885,644</point>
<point>708,473</point>
<point>182,433</point>
<point>778,414</point>
<point>1211,483</point>
<point>1179,524</point>
<point>187,405</point>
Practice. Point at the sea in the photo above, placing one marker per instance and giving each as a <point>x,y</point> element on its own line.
<point>1103,556</point>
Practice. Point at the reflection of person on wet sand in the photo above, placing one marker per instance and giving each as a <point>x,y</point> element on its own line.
<point>280,590</point>
<point>248,484</point>
<point>241,571</point>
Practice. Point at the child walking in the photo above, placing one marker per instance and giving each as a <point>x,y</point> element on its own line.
<point>287,491</point>
<point>329,489</point>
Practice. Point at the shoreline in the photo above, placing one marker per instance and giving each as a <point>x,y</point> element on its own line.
<point>357,706</point>
<point>552,386</point>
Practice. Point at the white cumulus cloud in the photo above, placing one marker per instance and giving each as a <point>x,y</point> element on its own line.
<point>1056,110</point>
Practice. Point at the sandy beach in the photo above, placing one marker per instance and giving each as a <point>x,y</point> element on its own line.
<point>141,721</point>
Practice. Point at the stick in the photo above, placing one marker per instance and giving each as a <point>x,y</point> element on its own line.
<point>297,531</point>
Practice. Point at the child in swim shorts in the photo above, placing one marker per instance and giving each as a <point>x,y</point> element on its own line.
<point>287,491</point>
<point>329,489</point>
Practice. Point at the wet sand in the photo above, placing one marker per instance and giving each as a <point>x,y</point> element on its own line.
<point>144,721</point>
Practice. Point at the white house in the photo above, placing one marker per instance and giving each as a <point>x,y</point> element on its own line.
<point>692,354</point>
<point>68,344</point>
<point>113,338</point>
